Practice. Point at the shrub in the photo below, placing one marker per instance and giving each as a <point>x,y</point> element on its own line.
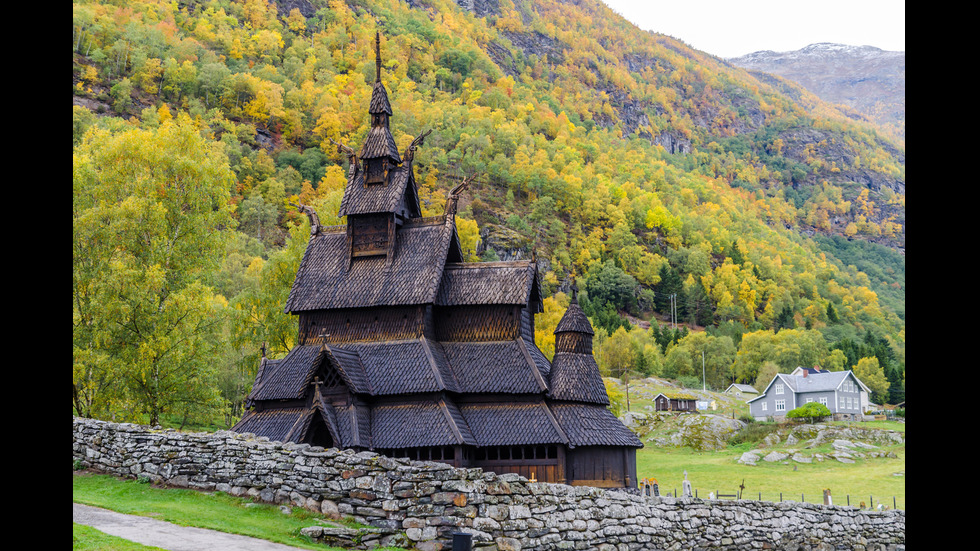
<point>810,410</point>
<point>754,432</point>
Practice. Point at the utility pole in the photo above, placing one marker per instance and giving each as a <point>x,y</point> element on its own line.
<point>673,311</point>
<point>704,383</point>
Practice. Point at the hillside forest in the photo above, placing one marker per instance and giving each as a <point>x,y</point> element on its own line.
<point>699,212</point>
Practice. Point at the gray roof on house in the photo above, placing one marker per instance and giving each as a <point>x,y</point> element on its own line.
<point>479,283</point>
<point>818,382</point>
<point>743,388</point>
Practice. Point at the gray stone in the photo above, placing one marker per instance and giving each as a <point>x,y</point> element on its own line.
<point>508,544</point>
<point>773,457</point>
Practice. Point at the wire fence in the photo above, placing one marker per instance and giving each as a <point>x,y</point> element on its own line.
<point>869,502</point>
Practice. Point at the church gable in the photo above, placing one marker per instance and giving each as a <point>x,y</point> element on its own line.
<point>289,378</point>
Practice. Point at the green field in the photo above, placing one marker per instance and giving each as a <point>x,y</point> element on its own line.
<point>869,481</point>
<point>872,480</point>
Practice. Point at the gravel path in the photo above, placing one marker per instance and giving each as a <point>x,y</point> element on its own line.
<point>165,535</point>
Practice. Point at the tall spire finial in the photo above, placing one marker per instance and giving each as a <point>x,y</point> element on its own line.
<point>377,55</point>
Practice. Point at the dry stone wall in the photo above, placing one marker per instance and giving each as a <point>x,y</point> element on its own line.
<point>420,504</point>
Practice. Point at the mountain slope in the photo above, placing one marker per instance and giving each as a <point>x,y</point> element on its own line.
<point>867,79</point>
<point>615,155</point>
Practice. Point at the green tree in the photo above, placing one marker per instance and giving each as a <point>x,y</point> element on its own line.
<point>151,214</point>
<point>671,285</point>
<point>705,357</point>
<point>788,349</point>
<point>608,284</point>
<point>873,376</point>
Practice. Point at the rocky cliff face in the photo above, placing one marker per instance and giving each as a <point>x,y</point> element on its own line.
<point>867,79</point>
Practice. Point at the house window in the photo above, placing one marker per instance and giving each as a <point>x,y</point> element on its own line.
<point>780,405</point>
<point>779,389</point>
<point>765,406</point>
<point>808,400</point>
<point>823,400</point>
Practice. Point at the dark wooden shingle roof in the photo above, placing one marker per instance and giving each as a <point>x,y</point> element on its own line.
<point>576,377</point>
<point>377,198</point>
<point>288,378</point>
<point>380,143</point>
<point>348,365</point>
<point>593,426</point>
<point>512,424</point>
<point>275,424</point>
<point>495,367</point>
<point>329,279</point>
<point>403,367</point>
<point>574,320</point>
<point>354,425</point>
<point>379,100</point>
<point>418,423</point>
<point>482,283</point>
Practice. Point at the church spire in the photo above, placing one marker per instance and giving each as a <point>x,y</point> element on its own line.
<point>379,153</point>
<point>377,56</point>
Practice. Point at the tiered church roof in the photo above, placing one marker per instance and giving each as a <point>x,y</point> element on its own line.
<point>404,346</point>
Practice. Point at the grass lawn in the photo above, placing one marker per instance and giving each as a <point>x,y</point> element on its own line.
<point>720,472</point>
<point>878,479</point>
<point>84,538</point>
<point>212,510</point>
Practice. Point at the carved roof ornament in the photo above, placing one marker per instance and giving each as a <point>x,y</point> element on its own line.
<point>419,140</point>
<point>312,215</point>
<point>453,198</point>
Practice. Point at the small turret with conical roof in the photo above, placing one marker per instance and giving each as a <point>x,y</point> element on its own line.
<point>574,373</point>
<point>574,333</point>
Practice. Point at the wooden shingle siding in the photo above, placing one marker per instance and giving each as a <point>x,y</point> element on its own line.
<point>578,343</point>
<point>362,324</point>
<point>369,234</point>
<point>477,323</point>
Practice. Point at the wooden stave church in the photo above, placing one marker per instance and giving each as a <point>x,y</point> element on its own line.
<point>406,350</point>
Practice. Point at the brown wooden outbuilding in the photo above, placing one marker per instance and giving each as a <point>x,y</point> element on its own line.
<point>675,401</point>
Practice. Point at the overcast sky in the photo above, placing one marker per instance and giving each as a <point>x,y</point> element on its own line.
<point>737,27</point>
